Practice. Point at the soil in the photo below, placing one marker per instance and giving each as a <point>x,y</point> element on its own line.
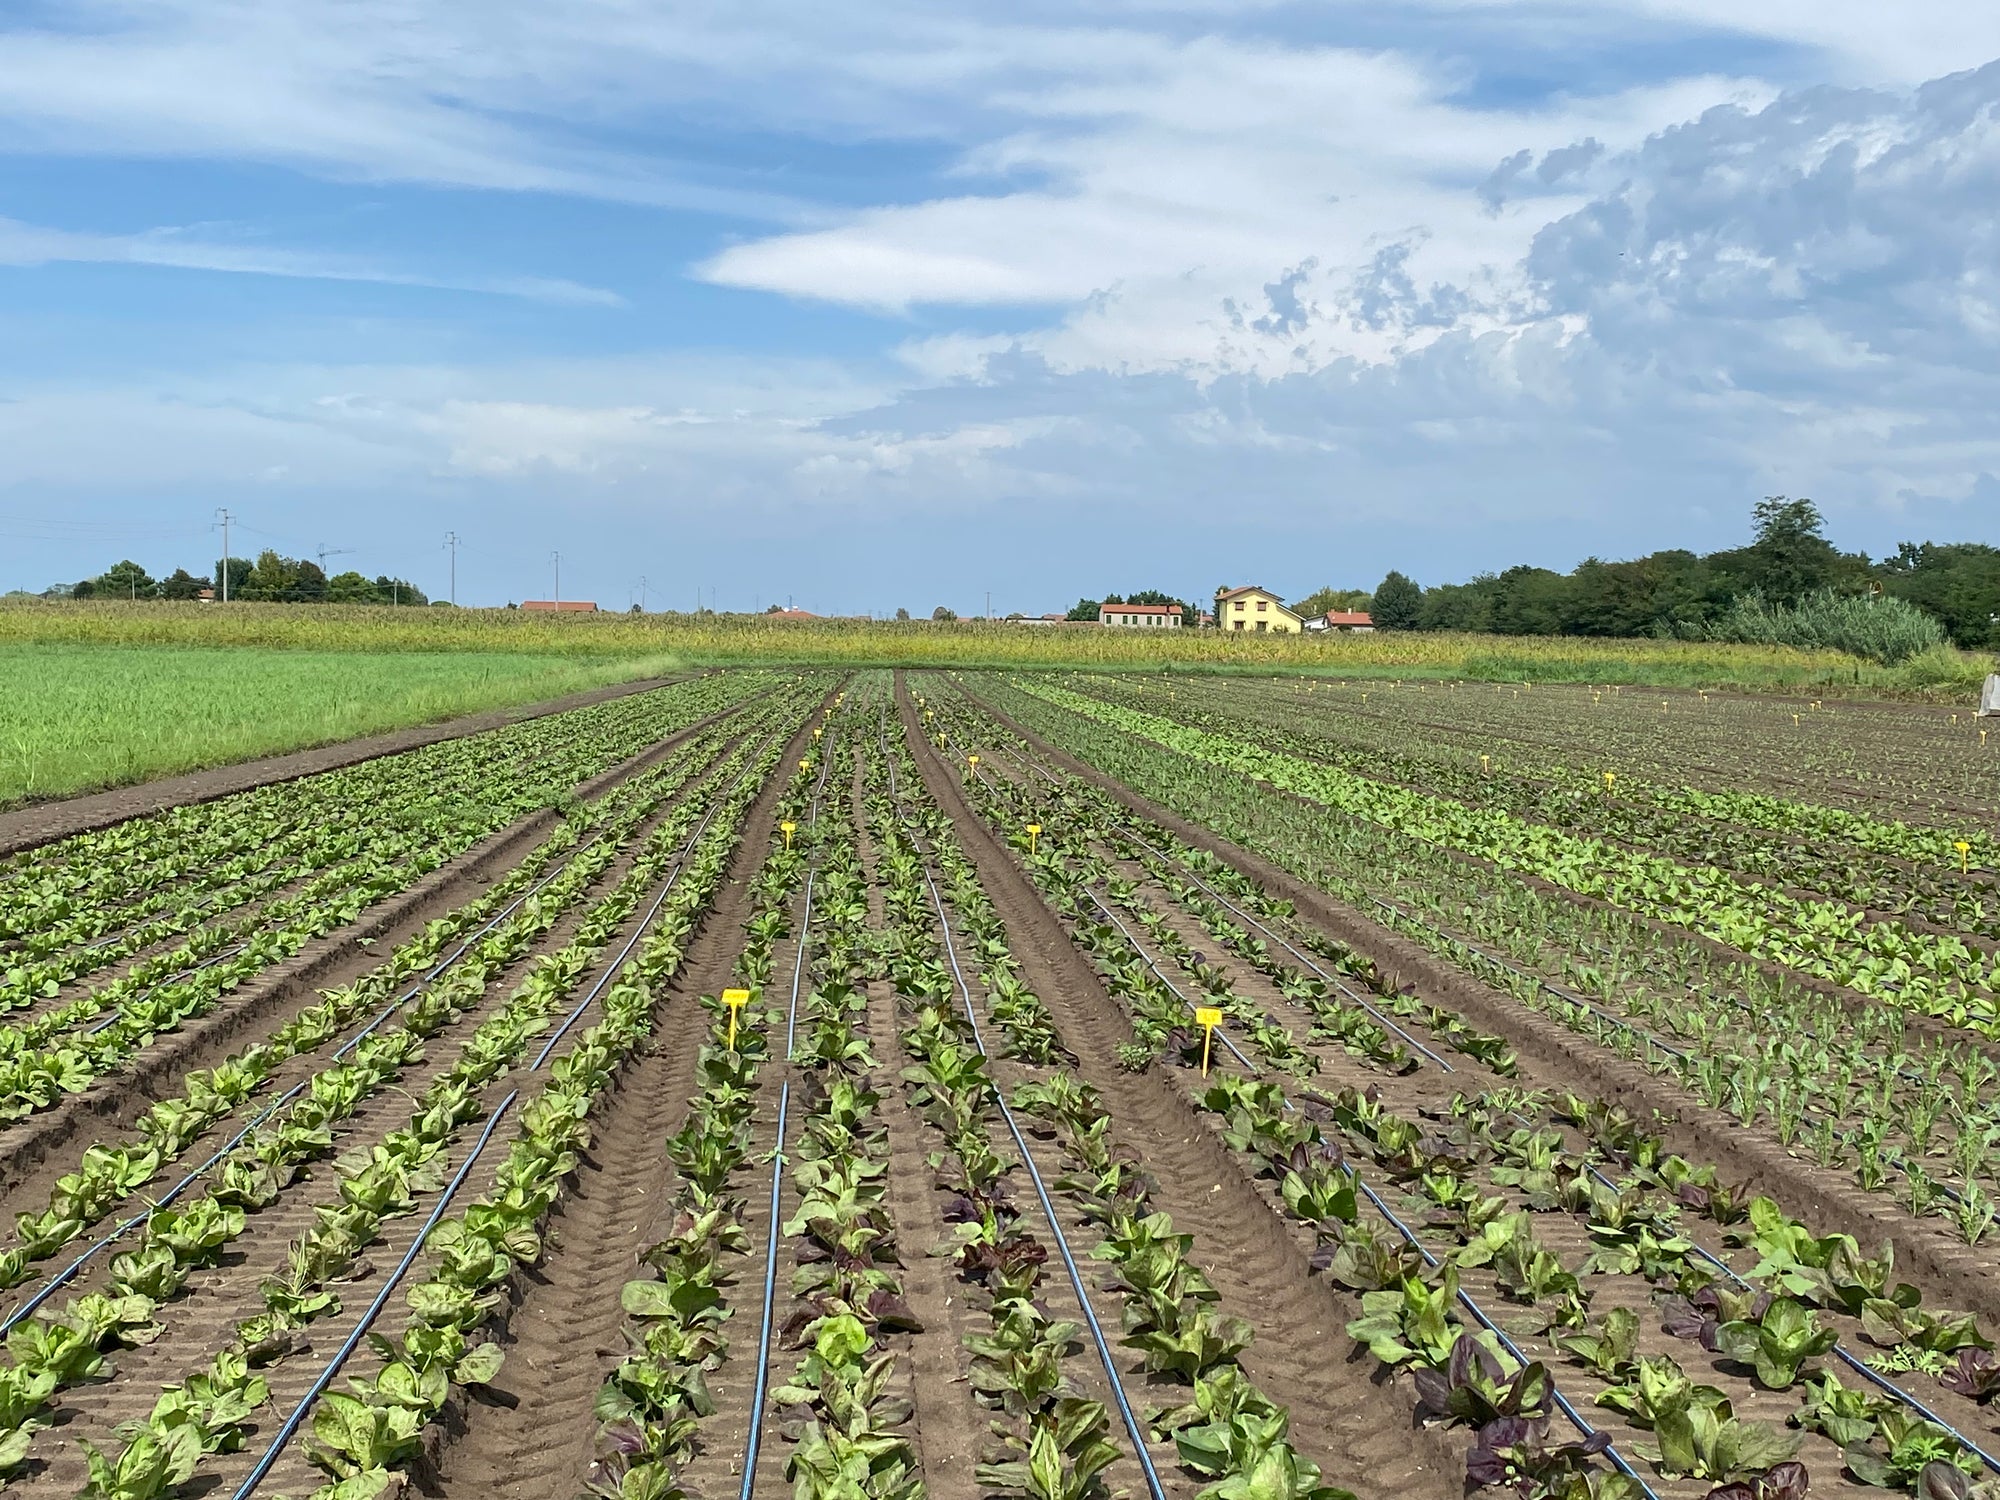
<point>44,822</point>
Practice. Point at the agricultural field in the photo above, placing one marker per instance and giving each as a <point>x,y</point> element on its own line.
<point>966,1083</point>
<point>77,716</point>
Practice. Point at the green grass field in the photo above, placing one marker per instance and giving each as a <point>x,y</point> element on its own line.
<point>78,717</point>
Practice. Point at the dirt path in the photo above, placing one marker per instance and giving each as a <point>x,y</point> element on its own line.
<point>44,822</point>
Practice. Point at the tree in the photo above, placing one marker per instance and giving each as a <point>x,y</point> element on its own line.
<point>1327,600</point>
<point>902,614</point>
<point>1086,610</point>
<point>181,584</point>
<point>350,588</point>
<point>308,583</point>
<point>272,579</point>
<point>1398,604</point>
<point>1791,556</point>
<point>772,609</point>
<point>239,574</point>
<point>126,580</point>
<point>942,613</point>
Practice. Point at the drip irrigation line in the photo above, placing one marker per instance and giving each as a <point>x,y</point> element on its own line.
<point>761,1382</point>
<point>105,1243</point>
<point>1128,828</point>
<point>1331,979</point>
<point>120,1013</point>
<point>1845,1356</point>
<point>1576,1418</point>
<point>188,1179</point>
<point>1132,1427</point>
<point>652,913</point>
<point>756,1438</point>
<point>353,1341</point>
<point>1147,960</point>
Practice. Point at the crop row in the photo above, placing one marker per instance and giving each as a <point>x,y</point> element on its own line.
<point>1839,1080</point>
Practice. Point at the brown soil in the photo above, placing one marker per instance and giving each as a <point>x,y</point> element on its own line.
<point>1342,1418</point>
<point>44,822</point>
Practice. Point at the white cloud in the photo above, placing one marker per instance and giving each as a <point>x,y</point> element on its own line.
<point>37,245</point>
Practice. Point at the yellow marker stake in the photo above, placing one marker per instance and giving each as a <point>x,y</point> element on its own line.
<point>1610,780</point>
<point>805,765</point>
<point>1034,833</point>
<point>1964,857</point>
<point>789,828</point>
<point>972,761</point>
<point>735,1000</point>
<point>1486,764</point>
<point>1208,1017</point>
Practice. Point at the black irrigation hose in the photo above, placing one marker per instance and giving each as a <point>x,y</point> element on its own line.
<point>666,889</point>
<point>1126,828</point>
<point>1860,1367</point>
<point>1331,979</point>
<point>1562,1402</point>
<point>292,1423</point>
<point>119,1011</point>
<point>753,1444</point>
<point>353,1341</point>
<point>1132,1426</point>
<point>69,1272</point>
<point>1147,960</point>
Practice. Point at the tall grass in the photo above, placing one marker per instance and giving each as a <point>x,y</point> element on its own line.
<point>1884,629</point>
<point>78,717</point>
<point>753,639</point>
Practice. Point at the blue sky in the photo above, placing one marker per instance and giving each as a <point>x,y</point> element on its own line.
<point>888,304</point>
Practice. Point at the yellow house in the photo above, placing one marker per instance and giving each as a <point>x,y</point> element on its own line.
<point>1254,609</point>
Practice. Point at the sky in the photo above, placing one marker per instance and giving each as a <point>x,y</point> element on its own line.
<point>892,305</point>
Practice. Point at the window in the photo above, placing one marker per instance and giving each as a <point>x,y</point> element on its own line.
<point>1262,625</point>
<point>1239,606</point>
<point>1236,624</point>
<point>1262,605</point>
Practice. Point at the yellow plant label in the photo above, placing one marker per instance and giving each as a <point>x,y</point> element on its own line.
<point>1207,1015</point>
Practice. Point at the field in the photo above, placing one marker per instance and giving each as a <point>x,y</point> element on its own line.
<point>966,1083</point>
<point>75,717</point>
<point>738,640</point>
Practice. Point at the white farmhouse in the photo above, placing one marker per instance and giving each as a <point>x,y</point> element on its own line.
<point>1141,616</point>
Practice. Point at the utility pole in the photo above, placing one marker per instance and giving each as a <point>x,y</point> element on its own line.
<point>451,541</point>
<point>556,558</point>
<point>989,604</point>
<point>223,510</point>
<point>642,593</point>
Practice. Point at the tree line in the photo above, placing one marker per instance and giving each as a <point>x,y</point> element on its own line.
<point>1788,565</point>
<point>268,578</point>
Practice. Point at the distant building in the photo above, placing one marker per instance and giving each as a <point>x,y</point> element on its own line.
<point>567,606</point>
<point>1254,609</point>
<point>1140,616</point>
<point>789,614</point>
<point>1343,622</point>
